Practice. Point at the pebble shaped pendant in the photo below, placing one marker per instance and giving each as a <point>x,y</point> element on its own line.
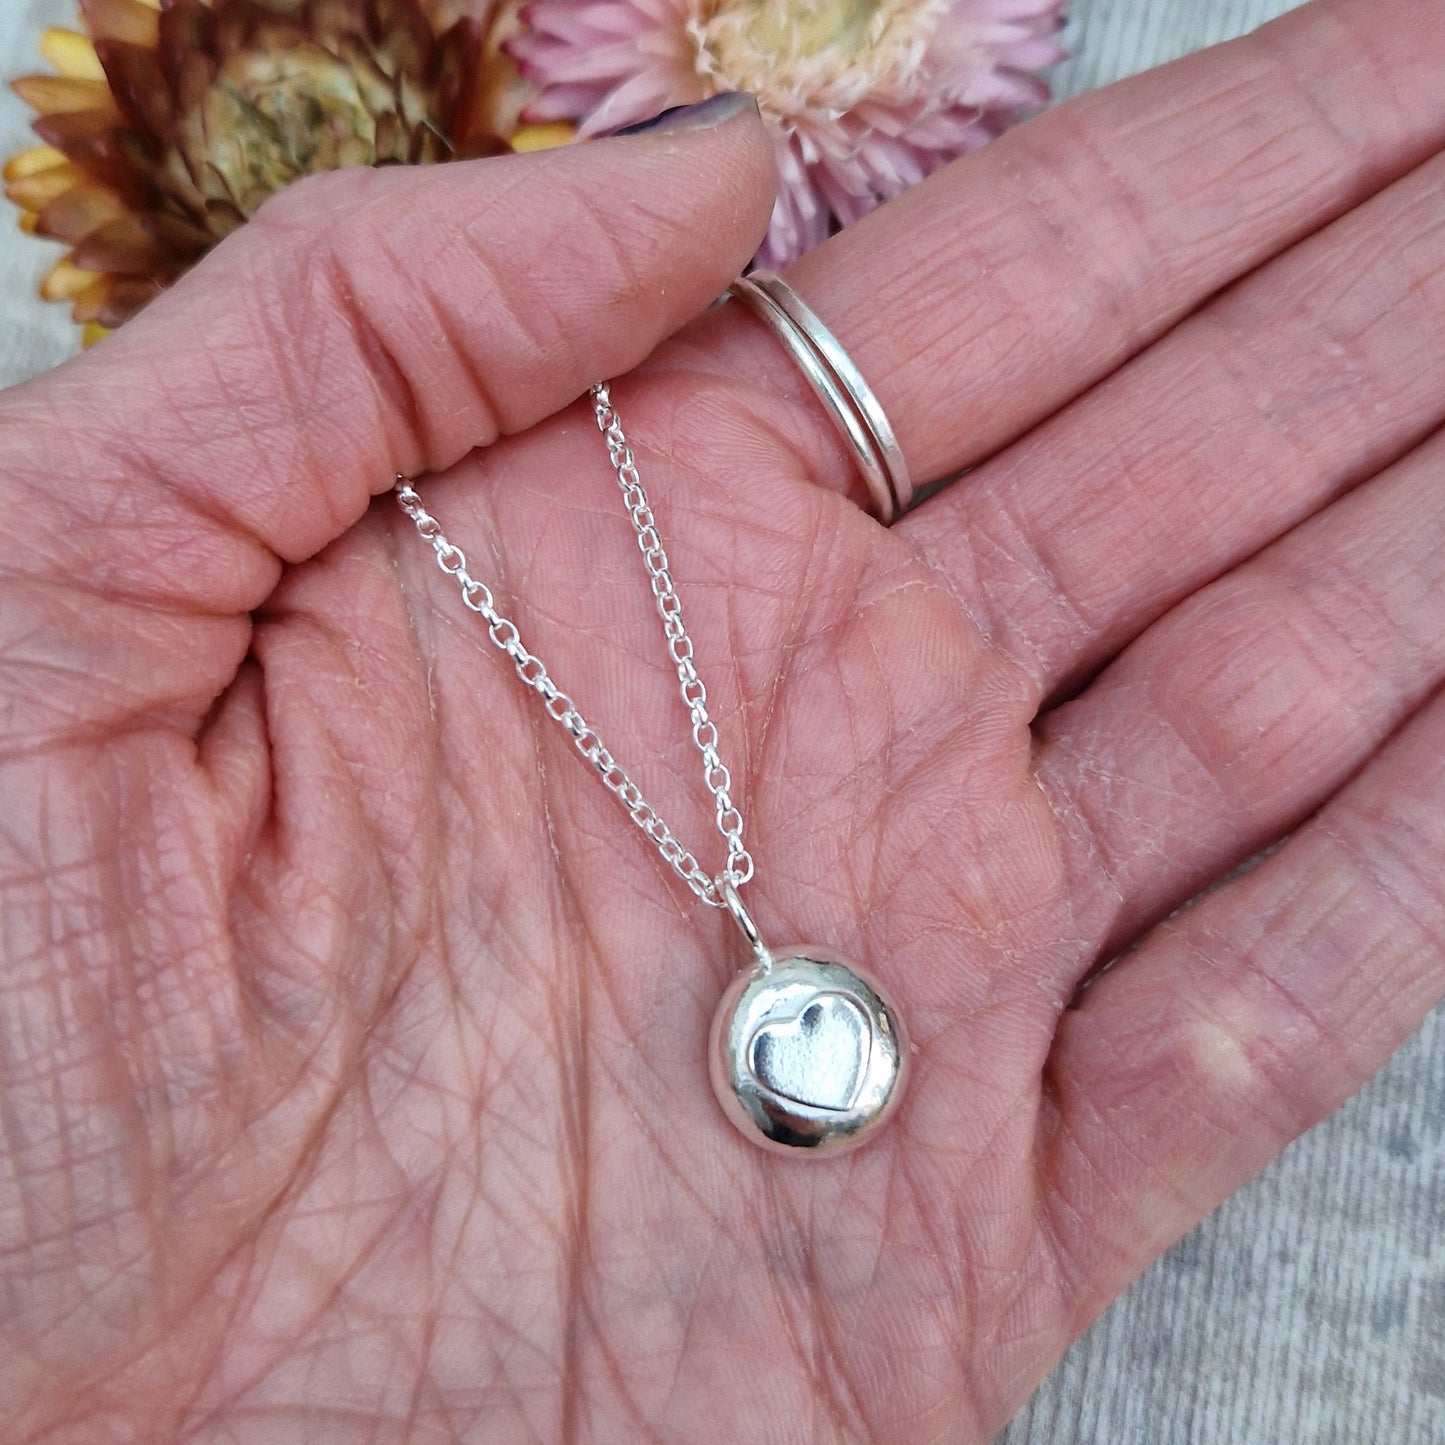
<point>805,1055</point>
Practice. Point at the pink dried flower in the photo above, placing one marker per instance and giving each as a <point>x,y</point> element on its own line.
<point>865,96</point>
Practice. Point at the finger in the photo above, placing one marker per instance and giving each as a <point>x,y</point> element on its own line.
<point>1236,716</point>
<point>364,323</point>
<point>1290,388</point>
<point>1248,1018</point>
<point>988,296</point>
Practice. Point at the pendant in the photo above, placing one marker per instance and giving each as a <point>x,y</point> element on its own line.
<point>804,1053</point>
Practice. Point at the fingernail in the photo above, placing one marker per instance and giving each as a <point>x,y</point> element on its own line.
<point>702,116</point>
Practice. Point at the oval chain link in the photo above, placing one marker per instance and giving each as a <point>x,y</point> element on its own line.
<point>560,708</point>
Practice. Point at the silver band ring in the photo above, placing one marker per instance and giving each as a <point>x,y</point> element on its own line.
<point>828,369</point>
<point>827,388</point>
<point>850,378</point>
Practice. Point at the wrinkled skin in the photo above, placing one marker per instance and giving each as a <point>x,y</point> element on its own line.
<point>353,1043</point>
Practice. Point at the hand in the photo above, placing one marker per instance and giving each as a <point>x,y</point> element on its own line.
<point>352,1041</point>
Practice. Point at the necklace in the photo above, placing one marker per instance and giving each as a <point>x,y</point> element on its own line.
<point>804,1054</point>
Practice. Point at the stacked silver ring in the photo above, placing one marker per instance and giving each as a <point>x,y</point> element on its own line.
<point>851,405</point>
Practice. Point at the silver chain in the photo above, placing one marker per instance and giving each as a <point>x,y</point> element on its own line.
<point>560,708</point>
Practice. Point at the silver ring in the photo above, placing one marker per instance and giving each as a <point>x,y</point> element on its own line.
<point>744,920</point>
<point>850,378</point>
<point>851,405</point>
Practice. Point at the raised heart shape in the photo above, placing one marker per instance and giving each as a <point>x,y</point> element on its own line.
<point>817,1058</point>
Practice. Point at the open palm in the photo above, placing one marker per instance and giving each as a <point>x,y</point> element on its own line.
<point>353,1045</point>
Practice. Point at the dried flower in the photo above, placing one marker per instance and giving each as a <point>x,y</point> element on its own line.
<point>170,121</point>
<point>865,96</point>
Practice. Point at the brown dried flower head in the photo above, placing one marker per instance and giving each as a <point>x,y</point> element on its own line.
<point>169,122</point>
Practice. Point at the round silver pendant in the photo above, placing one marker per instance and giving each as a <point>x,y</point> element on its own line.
<point>805,1055</point>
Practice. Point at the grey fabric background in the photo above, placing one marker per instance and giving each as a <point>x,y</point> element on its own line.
<point>1310,1310</point>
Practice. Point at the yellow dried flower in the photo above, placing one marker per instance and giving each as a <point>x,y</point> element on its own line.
<point>167,123</point>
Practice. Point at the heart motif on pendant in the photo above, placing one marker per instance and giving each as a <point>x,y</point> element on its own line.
<point>817,1058</point>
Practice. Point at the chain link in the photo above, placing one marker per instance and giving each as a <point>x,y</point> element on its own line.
<point>561,709</point>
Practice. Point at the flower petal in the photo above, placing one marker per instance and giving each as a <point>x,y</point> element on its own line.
<point>646,94</point>
<point>79,211</point>
<point>125,248</point>
<point>63,95</point>
<point>65,281</point>
<point>133,21</point>
<point>560,102</point>
<point>37,189</point>
<point>139,85</point>
<point>111,300</point>
<point>28,162</point>
<point>543,137</point>
<point>72,54</point>
<point>87,137</point>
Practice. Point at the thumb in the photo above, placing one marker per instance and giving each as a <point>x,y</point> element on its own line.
<point>364,323</point>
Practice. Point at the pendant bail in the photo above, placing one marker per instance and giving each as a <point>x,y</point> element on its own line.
<point>744,920</point>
